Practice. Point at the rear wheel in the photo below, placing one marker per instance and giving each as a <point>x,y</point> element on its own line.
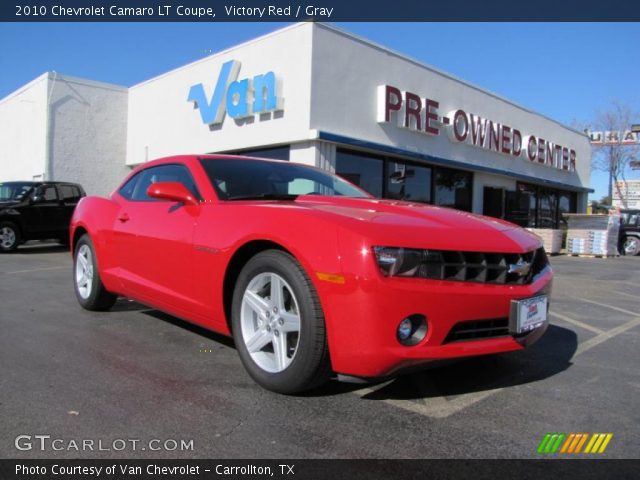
<point>631,246</point>
<point>278,325</point>
<point>9,237</point>
<point>90,291</point>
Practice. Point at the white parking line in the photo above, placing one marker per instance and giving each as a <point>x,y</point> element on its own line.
<point>625,294</point>
<point>580,324</point>
<point>597,340</point>
<point>617,309</point>
<point>35,270</point>
<point>440,407</point>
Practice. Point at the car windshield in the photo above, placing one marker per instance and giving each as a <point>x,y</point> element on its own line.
<point>242,179</point>
<point>14,191</point>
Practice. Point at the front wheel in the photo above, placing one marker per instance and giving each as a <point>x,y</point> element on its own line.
<point>631,246</point>
<point>278,325</point>
<point>90,291</point>
<point>9,237</point>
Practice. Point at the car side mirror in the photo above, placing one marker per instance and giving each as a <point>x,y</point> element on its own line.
<point>173,191</point>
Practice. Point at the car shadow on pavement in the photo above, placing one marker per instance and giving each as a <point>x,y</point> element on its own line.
<point>215,337</point>
<point>551,355</point>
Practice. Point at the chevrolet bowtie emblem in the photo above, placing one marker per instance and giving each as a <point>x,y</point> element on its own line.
<point>522,268</point>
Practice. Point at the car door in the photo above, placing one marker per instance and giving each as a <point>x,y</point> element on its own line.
<point>153,240</point>
<point>46,212</point>
<point>70,195</point>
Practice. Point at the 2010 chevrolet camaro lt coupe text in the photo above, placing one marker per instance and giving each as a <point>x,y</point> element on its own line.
<point>309,274</point>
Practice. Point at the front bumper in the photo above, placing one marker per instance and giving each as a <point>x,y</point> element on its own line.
<point>362,316</point>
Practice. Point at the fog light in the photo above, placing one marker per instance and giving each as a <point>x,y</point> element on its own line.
<point>405,329</point>
<point>412,330</point>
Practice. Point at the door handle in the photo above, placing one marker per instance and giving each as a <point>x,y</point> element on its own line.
<point>123,218</point>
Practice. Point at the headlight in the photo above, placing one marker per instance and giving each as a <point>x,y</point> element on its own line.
<point>394,261</point>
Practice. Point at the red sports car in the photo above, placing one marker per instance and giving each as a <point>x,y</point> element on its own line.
<point>308,273</point>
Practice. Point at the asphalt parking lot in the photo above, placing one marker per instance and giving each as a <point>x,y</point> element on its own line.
<point>136,373</point>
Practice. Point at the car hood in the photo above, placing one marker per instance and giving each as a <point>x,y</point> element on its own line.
<point>8,203</point>
<point>408,224</point>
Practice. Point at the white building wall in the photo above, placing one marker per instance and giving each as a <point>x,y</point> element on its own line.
<point>23,132</point>
<point>88,123</point>
<point>347,72</point>
<point>162,122</point>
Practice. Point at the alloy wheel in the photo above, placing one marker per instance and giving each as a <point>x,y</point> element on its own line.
<point>270,322</point>
<point>84,271</point>
<point>7,237</point>
<point>631,246</point>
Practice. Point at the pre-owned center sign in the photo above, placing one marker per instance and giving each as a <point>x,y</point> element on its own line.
<point>422,115</point>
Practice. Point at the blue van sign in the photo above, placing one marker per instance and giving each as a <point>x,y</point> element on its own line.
<point>237,98</point>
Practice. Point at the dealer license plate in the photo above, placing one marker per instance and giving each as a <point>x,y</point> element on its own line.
<point>528,314</point>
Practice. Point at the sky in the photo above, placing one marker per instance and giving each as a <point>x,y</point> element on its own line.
<point>566,71</point>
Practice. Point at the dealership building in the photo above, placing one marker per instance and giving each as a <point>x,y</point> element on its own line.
<point>312,94</point>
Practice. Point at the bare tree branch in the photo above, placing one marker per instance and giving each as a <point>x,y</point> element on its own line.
<point>614,157</point>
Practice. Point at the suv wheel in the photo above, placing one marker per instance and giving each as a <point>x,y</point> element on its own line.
<point>631,246</point>
<point>9,237</point>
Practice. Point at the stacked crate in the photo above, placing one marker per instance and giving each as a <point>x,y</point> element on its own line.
<point>551,239</point>
<point>595,235</point>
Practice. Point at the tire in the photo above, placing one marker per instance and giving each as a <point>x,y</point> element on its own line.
<point>88,286</point>
<point>9,236</point>
<point>630,246</point>
<point>281,342</point>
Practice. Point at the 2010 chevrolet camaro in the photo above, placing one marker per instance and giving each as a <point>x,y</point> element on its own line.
<point>309,274</point>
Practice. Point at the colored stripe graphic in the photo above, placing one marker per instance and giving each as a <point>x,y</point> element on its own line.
<point>581,443</point>
<point>550,443</point>
<point>598,443</point>
<point>572,443</point>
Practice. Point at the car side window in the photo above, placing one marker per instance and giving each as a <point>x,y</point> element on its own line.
<point>162,173</point>
<point>128,188</point>
<point>46,194</point>
<point>70,194</point>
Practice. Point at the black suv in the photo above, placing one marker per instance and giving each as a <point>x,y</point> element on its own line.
<point>629,232</point>
<point>36,211</point>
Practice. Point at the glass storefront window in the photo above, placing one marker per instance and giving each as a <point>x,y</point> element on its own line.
<point>362,170</point>
<point>547,210</point>
<point>453,188</point>
<point>408,182</point>
<point>539,207</point>
<point>566,204</point>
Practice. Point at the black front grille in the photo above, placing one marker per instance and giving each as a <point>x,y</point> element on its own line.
<point>497,268</point>
<point>478,329</point>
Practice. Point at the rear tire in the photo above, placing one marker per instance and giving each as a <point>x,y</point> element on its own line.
<point>630,246</point>
<point>9,237</point>
<point>278,324</point>
<point>88,286</point>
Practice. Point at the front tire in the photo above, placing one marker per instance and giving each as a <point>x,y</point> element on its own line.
<point>631,246</point>
<point>278,324</point>
<point>89,289</point>
<point>9,237</point>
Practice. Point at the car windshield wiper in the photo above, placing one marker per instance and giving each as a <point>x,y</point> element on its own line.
<point>264,196</point>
